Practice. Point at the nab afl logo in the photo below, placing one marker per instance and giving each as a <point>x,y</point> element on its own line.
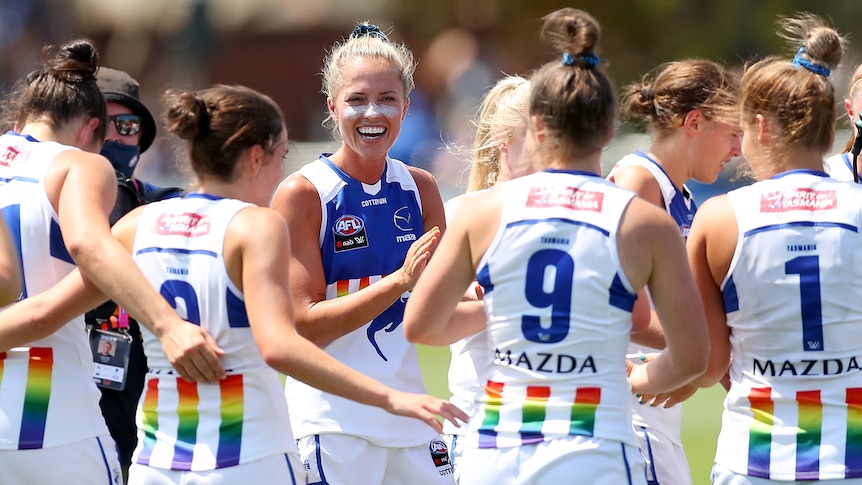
<point>349,232</point>
<point>440,456</point>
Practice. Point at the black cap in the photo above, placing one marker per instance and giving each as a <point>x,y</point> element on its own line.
<point>118,87</point>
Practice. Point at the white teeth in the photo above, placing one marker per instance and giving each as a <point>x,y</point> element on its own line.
<point>377,130</point>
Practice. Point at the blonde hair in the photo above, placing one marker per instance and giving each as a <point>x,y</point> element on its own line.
<point>502,112</point>
<point>366,41</point>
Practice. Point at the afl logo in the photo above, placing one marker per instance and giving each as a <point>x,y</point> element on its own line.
<point>347,225</point>
<point>402,219</point>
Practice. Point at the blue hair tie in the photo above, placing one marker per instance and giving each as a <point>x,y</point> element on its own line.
<point>798,60</point>
<point>590,60</point>
<point>368,30</point>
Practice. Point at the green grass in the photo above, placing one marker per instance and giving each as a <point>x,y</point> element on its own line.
<point>701,414</point>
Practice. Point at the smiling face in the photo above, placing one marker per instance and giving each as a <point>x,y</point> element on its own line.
<point>369,107</point>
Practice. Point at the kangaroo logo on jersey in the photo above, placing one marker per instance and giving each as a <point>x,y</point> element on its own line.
<point>386,322</point>
<point>798,199</point>
<point>568,197</point>
<point>349,232</point>
<point>188,225</point>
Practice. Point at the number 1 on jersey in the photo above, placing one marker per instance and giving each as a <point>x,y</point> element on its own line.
<point>808,269</point>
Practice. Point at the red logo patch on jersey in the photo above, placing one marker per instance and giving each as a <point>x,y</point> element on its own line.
<point>798,200</point>
<point>568,197</point>
<point>8,156</point>
<point>347,225</point>
<point>188,225</point>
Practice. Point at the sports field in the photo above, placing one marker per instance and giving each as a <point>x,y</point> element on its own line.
<point>701,413</point>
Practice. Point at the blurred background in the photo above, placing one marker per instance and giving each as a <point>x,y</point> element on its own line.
<point>462,46</point>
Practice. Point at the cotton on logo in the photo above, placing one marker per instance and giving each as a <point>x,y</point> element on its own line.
<point>347,225</point>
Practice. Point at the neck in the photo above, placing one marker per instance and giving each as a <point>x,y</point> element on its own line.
<point>365,170</point>
<point>797,159</point>
<point>230,190</point>
<point>586,163</point>
<point>672,159</point>
<point>45,132</point>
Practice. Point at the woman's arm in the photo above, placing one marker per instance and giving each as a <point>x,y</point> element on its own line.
<point>82,187</point>
<point>652,252</point>
<point>711,244</point>
<point>258,252</point>
<point>318,319</point>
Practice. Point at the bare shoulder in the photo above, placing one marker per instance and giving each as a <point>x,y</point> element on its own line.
<point>259,223</point>
<point>424,180</point>
<point>640,181</point>
<point>647,222</point>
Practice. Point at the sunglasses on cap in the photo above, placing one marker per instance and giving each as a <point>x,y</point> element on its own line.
<point>127,125</point>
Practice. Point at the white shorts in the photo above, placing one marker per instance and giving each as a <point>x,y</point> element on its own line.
<point>276,469</point>
<point>339,459</point>
<point>723,476</point>
<point>666,463</point>
<point>575,459</point>
<point>91,461</point>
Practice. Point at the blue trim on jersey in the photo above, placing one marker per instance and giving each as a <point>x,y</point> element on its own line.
<point>27,137</point>
<point>57,245</point>
<point>201,195</point>
<point>620,296</point>
<point>483,277</point>
<point>849,163</point>
<point>111,479</point>
<point>20,179</point>
<point>626,463</point>
<point>730,297</point>
<point>290,469</point>
<point>816,173</point>
<point>317,455</point>
<point>787,225</point>
<point>572,172</point>
<point>177,250</point>
<point>237,316</point>
<point>560,220</point>
<point>12,214</point>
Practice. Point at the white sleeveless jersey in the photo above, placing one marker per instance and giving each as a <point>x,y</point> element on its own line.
<point>191,426</point>
<point>559,314</point>
<point>792,293</point>
<point>468,363</point>
<point>840,166</point>
<point>365,233</point>
<point>681,206</point>
<point>47,395</point>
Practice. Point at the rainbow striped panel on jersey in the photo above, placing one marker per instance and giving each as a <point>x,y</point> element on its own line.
<point>767,450</point>
<point>189,451</point>
<point>541,419</point>
<point>37,394</point>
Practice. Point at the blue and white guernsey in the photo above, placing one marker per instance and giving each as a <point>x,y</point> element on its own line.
<point>682,208</point>
<point>194,426</point>
<point>365,233</point>
<point>47,395</point>
<point>792,293</point>
<point>559,314</point>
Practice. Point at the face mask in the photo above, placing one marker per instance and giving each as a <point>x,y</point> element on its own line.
<point>124,158</point>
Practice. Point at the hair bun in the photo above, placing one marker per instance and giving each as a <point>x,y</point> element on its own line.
<point>368,30</point>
